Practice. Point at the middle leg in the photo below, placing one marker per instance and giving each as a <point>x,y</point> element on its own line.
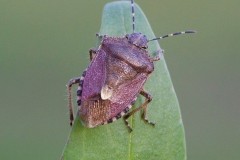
<point>144,107</point>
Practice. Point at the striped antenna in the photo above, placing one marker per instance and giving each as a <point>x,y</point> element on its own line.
<point>172,34</point>
<point>133,15</point>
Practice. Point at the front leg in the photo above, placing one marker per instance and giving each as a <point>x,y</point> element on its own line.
<point>159,54</point>
<point>92,53</point>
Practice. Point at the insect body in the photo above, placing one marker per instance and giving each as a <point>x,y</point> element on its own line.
<point>114,78</point>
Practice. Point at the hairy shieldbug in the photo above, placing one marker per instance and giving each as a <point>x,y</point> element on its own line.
<point>116,75</point>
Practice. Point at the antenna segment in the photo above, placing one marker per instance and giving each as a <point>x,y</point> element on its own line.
<point>172,34</point>
<point>133,15</point>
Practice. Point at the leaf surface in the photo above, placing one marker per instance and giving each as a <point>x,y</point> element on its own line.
<point>165,141</point>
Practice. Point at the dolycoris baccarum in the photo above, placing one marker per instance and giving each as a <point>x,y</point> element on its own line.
<point>116,75</point>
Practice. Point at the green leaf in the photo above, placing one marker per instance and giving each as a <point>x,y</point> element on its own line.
<point>165,141</point>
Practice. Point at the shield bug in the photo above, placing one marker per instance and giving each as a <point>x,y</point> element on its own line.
<point>116,75</point>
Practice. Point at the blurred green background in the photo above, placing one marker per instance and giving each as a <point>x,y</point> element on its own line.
<point>45,43</point>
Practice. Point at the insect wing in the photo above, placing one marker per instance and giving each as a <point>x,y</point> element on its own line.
<point>126,94</point>
<point>95,77</point>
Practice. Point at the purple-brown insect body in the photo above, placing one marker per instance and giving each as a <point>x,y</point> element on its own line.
<point>113,79</point>
<point>115,76</point>
<point>138,39</point>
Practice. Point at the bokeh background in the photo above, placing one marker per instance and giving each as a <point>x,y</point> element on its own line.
<point>45,43</point>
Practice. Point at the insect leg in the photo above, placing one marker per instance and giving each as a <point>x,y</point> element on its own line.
<point>70,105</point>
<point>148,99</point>
<point>143,106</point>
<point>92,53</point>
<point>126,122</point>
<point>158,55</point>
<point>99,35</point>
